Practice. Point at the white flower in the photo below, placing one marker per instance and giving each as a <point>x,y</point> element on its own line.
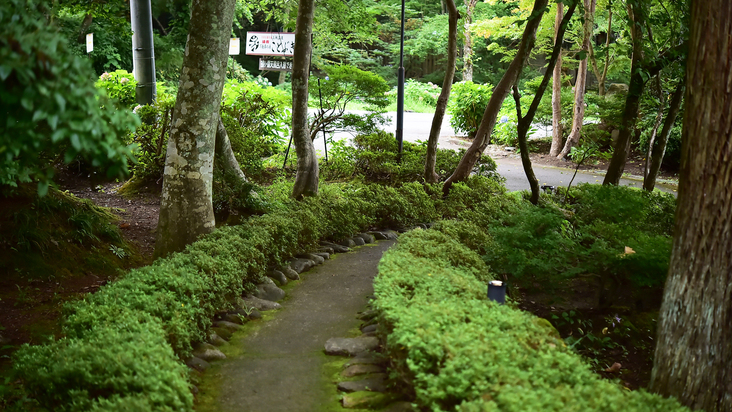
<point>105,76</point>
<point>124,80</point>
<point>135,109</point>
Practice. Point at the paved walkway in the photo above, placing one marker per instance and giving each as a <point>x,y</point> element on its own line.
<point>282,365</point>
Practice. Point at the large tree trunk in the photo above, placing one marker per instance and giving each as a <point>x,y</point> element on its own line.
<point>659,148</point>
<point>85,24</point>
<point>225,154</point>
<point>186,210</point>
<point>482,137</point>
<point>579,86</point>
<point>306,180</point>
<point>557,91</point>
<point>468,44</point>
<point>524,123</point>
<point>693,359</point>
<point>429,165</point>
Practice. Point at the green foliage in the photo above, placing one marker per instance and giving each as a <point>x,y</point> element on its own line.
<point>256,119</point>
<point>375,158</point>
<point>52,110</point>
<point>468,101</point>
<point>119,85</point>
<point>459,351</point>
<point>550,243</point>
<point>343,85</point>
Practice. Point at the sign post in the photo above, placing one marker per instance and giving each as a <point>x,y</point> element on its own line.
<point>89,42</point>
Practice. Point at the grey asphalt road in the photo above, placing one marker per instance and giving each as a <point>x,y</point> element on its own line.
<point>417,127</point>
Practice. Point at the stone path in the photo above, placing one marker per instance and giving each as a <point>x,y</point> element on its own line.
<point>282,367</point>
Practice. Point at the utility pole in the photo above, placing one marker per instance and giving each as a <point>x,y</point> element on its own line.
<point>143,51</point>
<point>400,92</point>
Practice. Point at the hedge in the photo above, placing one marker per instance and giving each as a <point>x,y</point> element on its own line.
<point>123,345</point>
<point>461,352</point>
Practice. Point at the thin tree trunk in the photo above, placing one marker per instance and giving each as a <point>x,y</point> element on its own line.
<point>429,165</point>
<point>306,180</point>
<point>186,209</point>
<point>579,86</point>
<point>656,125</point>
<point>468,44</point>
<point>482,137</point>
<point>602,76</point>
<point>659,149</point>
<point>524,123</point>
<point>226,154</point>
<point>693,358</point>
<point>557,91</point>
<point>632,100</point>
<point>85,24</point>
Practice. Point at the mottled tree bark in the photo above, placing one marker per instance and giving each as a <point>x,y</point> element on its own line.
<point>659,148</point>
<point>524,122</point>
<point>306,180</point>
<point>557,91</point>
<point>693,359</point>
<point>578,117</point>
<point>429,165</point>
<point>225,154</point>
<point>482,137</point>
<point>85,24</point>
<point>186,210</point>
<point>468,43</point>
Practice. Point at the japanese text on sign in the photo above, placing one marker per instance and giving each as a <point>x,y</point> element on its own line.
<point>270,44</point>
<point>275,65</point>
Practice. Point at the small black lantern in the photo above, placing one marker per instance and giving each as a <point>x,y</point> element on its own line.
<point>497,291</point>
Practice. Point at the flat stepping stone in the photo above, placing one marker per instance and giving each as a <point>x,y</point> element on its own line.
<point>312,256</point>
<point>355,370</point>
<point>369,328</point>
<point>378,235</point>
<point>367,237</point>
<point>197,364</point>
<point>350,346</point>
<point>269,291</point>
<point>216,340</point>
<point>377,383</point>
<point>365,400</point>
<point>278,277</point>
<point>260,304</point>
<point>227,325</point>
<point>301,265</point>
<point>358,240</point>
<point>335,247</point>
<point>290,273</point>
<point>324,255</point>
<point>208,352</point>
<point>347,243</point>
<point>366,358</point>
<point>325,249</point>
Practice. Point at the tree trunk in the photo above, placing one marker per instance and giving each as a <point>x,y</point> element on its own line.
<point>602,76</point>
<point>579,86</point>
<point>482,137</point>
<point>659,149</point>
<point>632,100</point>
<point>226,155</point>
<point>468,44</point>
<point>557,91</point>
<point>429,165</point>
<point>85,24</point>
<point>186,210</point>
<point>524,123</point>
<point>693,359</point>
<point>306,180</point>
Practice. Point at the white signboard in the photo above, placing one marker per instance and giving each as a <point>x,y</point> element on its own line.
<point>270,44</point>
<point>275,65</point>
<point>234,48</point>
<point>89,42</point>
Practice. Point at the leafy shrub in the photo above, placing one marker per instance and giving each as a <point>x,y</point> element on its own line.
<point>426,93</point>
<point>458,351</point>
<point>119,85</point>
<point>52,112</point>
<point>375,158</point>
<point>468,101</point>
<point>256,120</point>
<point>152,136</point>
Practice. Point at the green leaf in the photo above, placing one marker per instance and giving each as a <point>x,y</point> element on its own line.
<point>75,142</point>
<point>5,72</point>
<point>42,188</point>
<point>61,101</point>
